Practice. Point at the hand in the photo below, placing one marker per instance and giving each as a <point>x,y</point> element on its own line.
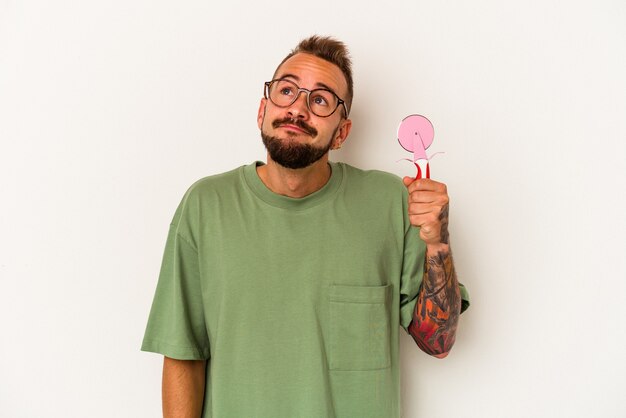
<point>428,209</point>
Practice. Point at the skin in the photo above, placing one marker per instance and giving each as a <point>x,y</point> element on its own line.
<point>438,305</point>
<point>183,388</point>
<point>308,71</point>
<point>437,311</point>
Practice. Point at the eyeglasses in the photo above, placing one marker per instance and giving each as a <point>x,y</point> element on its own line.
<point>321,102</point>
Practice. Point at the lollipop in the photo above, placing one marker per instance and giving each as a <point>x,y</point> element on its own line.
<point>415,135</point>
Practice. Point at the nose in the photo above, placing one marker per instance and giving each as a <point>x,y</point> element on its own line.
<point>299,108</point>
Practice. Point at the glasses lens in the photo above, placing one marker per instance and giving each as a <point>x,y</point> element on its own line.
<point>283,92</point>
<point>322,102</point>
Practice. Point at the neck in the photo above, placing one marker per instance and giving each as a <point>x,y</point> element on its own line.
<point>295,183</point>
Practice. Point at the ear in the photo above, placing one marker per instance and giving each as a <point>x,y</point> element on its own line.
<point>261,114</point>
<point>342,133</point>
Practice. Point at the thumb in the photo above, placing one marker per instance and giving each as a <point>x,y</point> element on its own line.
<point>408,180</point>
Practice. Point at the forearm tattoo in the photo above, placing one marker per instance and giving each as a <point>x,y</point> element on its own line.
<point>438,306</point>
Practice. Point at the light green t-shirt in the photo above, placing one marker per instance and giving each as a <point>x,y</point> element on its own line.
<point>296,303</point>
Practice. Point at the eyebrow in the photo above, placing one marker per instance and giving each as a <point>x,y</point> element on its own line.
<point>318,84</point>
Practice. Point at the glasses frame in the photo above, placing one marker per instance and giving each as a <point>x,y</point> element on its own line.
<point>340,101</point>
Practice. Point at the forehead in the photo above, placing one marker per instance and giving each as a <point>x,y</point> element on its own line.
<point>312,72</point>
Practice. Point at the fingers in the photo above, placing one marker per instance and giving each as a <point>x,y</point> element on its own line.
<point>424,184</point>
<point>426,191</point>
<point>425,209</point>
<point>426,203</point>
<point>434,198</point>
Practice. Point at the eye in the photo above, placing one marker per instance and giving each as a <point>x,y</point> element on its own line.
<point>319,100</point>
<point>286,90</point>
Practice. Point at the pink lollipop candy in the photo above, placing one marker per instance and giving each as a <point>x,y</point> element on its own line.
<point>415,134</point>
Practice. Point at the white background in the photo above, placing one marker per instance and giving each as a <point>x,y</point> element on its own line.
<point>109,110</point>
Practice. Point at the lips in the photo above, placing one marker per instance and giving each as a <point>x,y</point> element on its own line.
<point>293,127</point>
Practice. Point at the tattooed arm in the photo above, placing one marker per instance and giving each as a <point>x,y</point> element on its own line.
<point>438,305</point>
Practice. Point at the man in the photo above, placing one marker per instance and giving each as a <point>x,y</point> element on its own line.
<point>283,284</point>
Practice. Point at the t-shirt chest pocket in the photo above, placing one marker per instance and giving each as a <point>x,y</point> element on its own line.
<point>359,327</point>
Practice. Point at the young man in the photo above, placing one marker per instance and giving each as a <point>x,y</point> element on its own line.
<point>283,284</point>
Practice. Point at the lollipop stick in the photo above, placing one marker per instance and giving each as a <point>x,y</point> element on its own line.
<point>422,165</point>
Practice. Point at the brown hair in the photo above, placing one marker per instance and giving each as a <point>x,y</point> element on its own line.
<point>331,50</point>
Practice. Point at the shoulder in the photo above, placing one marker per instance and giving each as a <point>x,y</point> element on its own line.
<point>208,191</point>
<point>215,183</point>
<point>373,180</point>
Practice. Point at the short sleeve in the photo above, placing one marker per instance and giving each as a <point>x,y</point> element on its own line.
<point>176,325</point>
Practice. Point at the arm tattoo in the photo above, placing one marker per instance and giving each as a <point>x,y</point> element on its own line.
<point>439,301</point>
<point>443,218</point>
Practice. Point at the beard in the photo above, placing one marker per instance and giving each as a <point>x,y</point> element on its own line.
<point>291,154</point>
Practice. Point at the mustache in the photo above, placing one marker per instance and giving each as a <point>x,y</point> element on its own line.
<point>297,122</point>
